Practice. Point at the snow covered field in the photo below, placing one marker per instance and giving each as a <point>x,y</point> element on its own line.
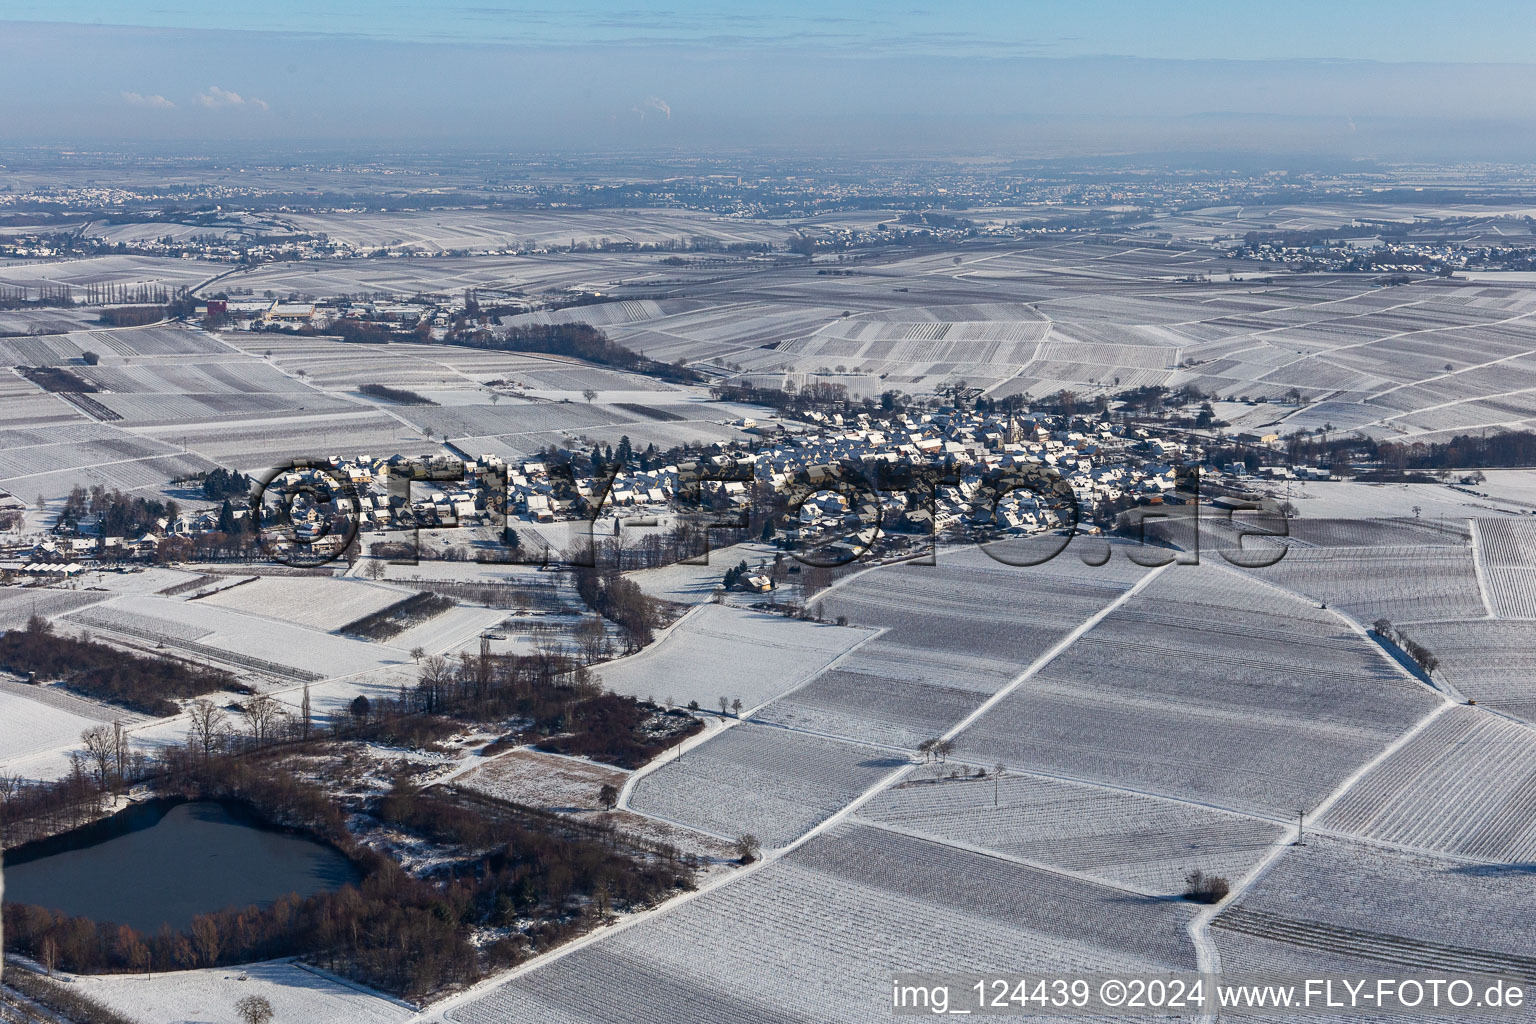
<point>1122,837</point>
<point>1208,686</point>
<point>323,604</point>
<point>1337,901</point>
<point>1465,786</point>
<point>547,781</point>
<point>815,937</point>
<point>209,996</point>
<point>737,653</point>
<point>287,651</point>
<point>29,726</point>
<point>768,782</point>
<point>1492,661</point>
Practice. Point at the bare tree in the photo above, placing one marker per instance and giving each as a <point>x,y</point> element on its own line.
<point>608,797</point>
<point>736,707</point>
<point>254,1010</point>
<point>592,636</point>
<point>264,712</point>
<point>725,705</point>
<point>747,848</point>
<point>100,746</point>
<point>588,394</point>
<point>436,673</point>
<point>206,938</point>
<point>943,748</point>
<point>374,570</point>
<point>209,726</point>
<point>304,711</point>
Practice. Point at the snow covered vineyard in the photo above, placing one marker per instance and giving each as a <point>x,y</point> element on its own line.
<point>816,935</point>
<point>1147,724</point>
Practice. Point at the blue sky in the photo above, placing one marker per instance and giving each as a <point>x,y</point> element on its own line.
<point>1362,79</point>
<point>1407,30</point>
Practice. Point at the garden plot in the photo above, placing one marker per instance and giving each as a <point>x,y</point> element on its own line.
<point>1466,785</point>
<point>296,993</point>
<point>29,726</point>
<point>323,604</point>
<point>1207,686</point>
<point>772,783</point>
<point>1403,584</point>
<point>1126,838</point>
<point>230,637</point>
<point>737,653</point>
<point>1507,549</point>
<point>817,936</point>
<point>1492,661</point>
<point>1342,901</point>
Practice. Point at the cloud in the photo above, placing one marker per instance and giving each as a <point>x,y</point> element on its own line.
<point>138,99</point>
<point>655,103</point>
<point>216,97</point>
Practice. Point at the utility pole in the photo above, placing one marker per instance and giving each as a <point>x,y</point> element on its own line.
<point>1301,822</point>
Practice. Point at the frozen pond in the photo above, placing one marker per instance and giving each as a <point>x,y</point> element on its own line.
<point>164,863</point>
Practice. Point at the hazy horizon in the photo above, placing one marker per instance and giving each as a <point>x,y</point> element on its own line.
<point>981,79</point>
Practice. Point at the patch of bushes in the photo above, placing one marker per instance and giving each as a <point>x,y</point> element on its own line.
<point>1200,887</point>
<point>137,683</point>
<point>56,379</point>
<point>400,396</point>
<point>398,617</point>
<point>615,730</point>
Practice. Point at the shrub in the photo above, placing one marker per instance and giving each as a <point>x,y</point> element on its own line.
<point>1200,887</point>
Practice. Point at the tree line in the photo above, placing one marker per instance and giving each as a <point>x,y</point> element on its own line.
<point>132,681</point>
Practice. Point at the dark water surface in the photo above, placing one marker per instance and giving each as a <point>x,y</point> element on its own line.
<point>166,863</point>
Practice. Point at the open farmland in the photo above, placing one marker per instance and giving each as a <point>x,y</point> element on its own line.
<point>1332,903</point>
<point>771,783</point>
<point>1492,661</point>
<point>30,726</point>
<point>295,992</point>
<point>1403,584</point>
<point>287,652</point>
<point>128,271</point>
<point>784,943</point>
<point>323,604</point>
<point>1465,785</point>
<point>18,604</point>
<point>1123,837</point>
<point>1207,686</point>
<point>953,635</point>
<point>1507,557</point>
<point>722,650</point>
